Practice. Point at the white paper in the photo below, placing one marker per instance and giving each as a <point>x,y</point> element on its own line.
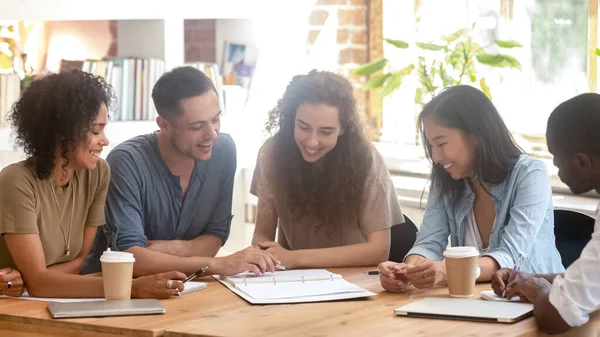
<point>283,276</point>
<point>285,290</point>
<point>490,295</point>
<point>26,296</point>
<point>192,286</point>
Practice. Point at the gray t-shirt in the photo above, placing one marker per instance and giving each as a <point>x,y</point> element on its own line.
<point>145,200</point>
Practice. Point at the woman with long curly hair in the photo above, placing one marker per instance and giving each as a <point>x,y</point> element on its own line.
<point>321,182</point>
<point>52,203</point>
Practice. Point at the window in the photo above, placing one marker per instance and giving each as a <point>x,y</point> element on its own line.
<point>554,58</point>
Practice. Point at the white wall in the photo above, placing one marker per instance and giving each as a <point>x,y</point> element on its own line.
<point>77,40</point>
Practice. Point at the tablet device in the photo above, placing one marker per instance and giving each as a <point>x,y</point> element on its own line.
<point>106,308</point>
<point>464,309</point>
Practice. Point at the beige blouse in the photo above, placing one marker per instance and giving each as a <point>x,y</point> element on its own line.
<point>27,206</point>
<point>380,208</point>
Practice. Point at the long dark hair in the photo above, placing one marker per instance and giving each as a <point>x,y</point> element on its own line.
<point>333,192</point>
<point>469,110</point>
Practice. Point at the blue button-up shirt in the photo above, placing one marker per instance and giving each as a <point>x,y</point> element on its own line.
<point>145,200</point>
<point>524,220</point>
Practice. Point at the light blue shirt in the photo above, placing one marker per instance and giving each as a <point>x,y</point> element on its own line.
<point>524,220</point>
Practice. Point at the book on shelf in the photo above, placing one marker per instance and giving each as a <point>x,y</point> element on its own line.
<point>212,71</point>
<point>132,80</point>
<point>10,91</point>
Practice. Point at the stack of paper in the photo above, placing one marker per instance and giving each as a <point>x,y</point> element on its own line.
<point>293,286</point>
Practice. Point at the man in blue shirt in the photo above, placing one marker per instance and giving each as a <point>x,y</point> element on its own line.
<point>170,194</point>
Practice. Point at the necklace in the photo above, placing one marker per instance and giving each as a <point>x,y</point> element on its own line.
<point>66,239</point>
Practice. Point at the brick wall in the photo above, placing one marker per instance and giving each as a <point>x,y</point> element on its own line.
<point>352,38</point>
<point>200,40</point>
<point>199,37</point>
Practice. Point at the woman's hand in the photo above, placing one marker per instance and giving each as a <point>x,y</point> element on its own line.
<point>392,276</point>
<point>274,248</point>
<point>162,285</point>
<point>11,282</point>
<point>427,273</point>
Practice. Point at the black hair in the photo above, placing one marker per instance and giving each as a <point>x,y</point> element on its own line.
<point>55,113</point>
<point>177,84</point>
<point>469,110</point>
<point>576,122</point>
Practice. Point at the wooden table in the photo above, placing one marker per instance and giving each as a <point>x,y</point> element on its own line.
<point>217,311</point>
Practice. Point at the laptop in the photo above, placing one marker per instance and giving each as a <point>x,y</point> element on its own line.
<point>464,309</point>
<point>106,308</point>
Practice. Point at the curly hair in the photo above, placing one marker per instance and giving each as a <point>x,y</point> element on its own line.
<point>55,113</point>
<point>332,193</point>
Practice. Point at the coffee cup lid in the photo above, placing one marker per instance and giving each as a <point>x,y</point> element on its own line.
<point>461,252</point>
<point>114,256</point>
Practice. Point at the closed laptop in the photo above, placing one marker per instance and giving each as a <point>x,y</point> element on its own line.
<point>106,308</point>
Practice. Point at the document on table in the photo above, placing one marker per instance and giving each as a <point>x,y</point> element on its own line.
<point>293,286</point>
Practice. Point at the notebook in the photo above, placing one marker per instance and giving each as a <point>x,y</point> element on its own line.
<point>106,308</point>
<point>464,309</point>
<point>191,286</point>
<point>490,295</point>
<point>292,286</point>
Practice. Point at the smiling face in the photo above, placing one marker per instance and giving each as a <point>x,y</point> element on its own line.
<point>193,132</point>
<point>451,149</point>
<point>316,130</point>
<point>85,156</point>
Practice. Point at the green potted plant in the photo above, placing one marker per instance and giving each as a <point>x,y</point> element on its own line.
<point>450,61</point>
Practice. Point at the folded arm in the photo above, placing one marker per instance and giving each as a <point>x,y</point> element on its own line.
<point>73,266</point>
<point>28,256</point>
<point>370,253</point>
<point>203,245</point>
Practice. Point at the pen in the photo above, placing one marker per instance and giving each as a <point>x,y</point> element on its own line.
<point>196,274</point>
<point>281,267</point>
<point>377,272</point>
<point>514,271</point>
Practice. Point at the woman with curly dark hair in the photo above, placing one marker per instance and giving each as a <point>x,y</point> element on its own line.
<point>52,203</point>
<point>321,180</point>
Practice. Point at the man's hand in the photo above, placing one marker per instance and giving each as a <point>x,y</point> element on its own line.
<point>527,287</point>
<point>281,254</point>
<point>500,279</point>
<point>11,282</point>
<point>393,276</point>
<point>251,259</point>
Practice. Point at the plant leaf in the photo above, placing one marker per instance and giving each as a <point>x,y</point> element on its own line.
<point>430,46</point>
<point>490,59</point>
<point>485,88</point>
<point>454,36</point>
<point>418,96</point>
<point>512,62</point>
<point>394,81</point>
<point>508,44</point>
<point>376,81</point>
<point>405,71</point>
<point>597,51</point>
<point>370,68</point>
<point>397,43</point>
<point>391,84</point>
<point>499,61</point>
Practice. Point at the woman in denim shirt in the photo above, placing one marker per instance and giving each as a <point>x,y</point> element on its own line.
<point>485,192</point>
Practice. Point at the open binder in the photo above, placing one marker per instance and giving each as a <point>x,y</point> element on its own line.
<point>292,286</point>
